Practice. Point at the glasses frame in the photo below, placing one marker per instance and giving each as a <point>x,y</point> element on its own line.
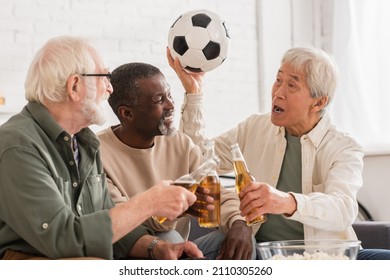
<point>108,75</point>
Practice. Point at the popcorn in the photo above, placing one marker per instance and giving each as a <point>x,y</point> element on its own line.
<point>307,256</point>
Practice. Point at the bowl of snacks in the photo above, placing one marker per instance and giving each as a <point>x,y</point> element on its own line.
<point>319,249</point>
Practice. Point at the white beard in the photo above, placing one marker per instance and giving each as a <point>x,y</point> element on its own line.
<point>167,131</point>
<point>91,110</point>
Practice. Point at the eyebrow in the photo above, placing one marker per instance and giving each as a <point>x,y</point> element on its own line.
<point>295,77</point>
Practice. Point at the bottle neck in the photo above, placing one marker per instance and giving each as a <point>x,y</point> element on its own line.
<point>205,168</point>
<point>238,161</point>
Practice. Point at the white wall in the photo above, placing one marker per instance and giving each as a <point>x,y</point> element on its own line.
<point>134,30</point>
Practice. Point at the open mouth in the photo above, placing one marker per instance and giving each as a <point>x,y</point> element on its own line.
<point>167,117</point>
<point>277,109</point>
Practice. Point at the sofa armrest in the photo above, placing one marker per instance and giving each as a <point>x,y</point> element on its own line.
<point>373,234</point>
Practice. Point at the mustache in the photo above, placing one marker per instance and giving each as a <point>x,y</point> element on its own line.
<point>167,114</point>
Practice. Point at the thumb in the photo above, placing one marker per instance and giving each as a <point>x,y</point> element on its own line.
<point>191,198</point>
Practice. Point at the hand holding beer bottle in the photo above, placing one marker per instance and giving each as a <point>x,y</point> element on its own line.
<point>191,181</point>
<point>211,218</point>
<point>243,177</point>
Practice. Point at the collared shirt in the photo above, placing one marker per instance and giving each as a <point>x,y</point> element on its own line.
<point>332,164</point>
<point>48,206</point>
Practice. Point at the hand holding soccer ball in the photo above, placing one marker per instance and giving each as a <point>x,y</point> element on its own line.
<point>200,40</point>
<point>191,81</point>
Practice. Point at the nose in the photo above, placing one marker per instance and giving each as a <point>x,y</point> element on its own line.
<point>278,92</point>
<point>170,103</point>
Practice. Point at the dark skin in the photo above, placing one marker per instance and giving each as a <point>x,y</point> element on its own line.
<point>237,244</point>
<point>140,125</point>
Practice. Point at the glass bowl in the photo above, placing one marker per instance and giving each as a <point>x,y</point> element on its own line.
<point>329,249</point>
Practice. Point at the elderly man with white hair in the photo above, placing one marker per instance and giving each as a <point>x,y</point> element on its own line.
<point>308,172</point>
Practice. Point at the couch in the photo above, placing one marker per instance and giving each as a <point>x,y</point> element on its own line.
<point>372,234</point>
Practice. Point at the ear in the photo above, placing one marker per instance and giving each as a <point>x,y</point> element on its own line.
<point>73,87</point>
<point>320,103</point>
<point>125,112</point>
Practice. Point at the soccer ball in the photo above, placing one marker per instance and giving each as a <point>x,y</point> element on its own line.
<point>200,40</point>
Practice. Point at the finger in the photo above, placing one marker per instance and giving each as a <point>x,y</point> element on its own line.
<point>189,197</point>
<point>228,254</point>
<point>238,253</point>
<point>205,198</point>
<point>201,205</point>
<point>200,209</point>
<point>256,212</point>
<point>202,190</point>
<point>222,251</point>
<point>251,200</point>
<point>193,212</point>
<point>247,209</point>
<point>190,249</point>
<point>178,65</point>
<point>249,255</point>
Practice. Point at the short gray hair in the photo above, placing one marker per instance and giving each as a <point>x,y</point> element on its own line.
<point>319,68</point>
<point>53,64</point>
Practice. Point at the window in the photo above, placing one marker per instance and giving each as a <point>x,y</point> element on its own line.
<point>361,48</point>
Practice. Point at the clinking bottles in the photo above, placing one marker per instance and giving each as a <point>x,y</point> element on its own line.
<point>243,177</point>
<point>192,180</point>
<point>211,218</point>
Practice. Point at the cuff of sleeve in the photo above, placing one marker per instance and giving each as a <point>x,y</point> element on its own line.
<point>236,218</point>
<point>193,99</point>
<point>224,228</point>
<point>124,245</point>
<point>97,231</point>
<point>300,201</point>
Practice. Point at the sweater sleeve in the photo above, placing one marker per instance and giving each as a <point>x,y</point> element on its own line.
<point>192,122</point>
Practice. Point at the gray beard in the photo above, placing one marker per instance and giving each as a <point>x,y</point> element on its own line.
<point>165,130</point>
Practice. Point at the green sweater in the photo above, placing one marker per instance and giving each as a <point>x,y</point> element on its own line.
<point>48,206</point>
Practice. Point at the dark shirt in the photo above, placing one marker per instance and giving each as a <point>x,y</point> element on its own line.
<point>290,180</point>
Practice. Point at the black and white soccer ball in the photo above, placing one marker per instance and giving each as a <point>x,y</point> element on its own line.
<point>200,40</point>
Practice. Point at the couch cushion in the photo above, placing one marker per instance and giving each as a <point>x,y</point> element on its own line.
<point>373,234</point>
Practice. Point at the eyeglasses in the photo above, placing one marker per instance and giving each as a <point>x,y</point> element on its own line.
<point>108,75</point>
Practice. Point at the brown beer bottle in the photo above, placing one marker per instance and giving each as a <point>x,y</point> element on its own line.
<point>211,218</point>
<point>243,177</point>
<point>192,180</point>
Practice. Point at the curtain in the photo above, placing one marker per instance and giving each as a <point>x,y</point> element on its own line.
<point>361,48</point>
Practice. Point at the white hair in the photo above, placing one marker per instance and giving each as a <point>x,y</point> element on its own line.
<point>319,68</point>
<point>52,66</point>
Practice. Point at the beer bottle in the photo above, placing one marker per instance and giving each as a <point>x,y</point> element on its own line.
<point>192,180</point>
<point>243,177</point>
<point>211,218</point>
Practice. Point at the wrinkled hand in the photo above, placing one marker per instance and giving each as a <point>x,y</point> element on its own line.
<point>203,202</point>
<point>192,82</point>
<point>170,201</point>
<point>237,244</point>
<point>260,198</point>
<point>169,251</point>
